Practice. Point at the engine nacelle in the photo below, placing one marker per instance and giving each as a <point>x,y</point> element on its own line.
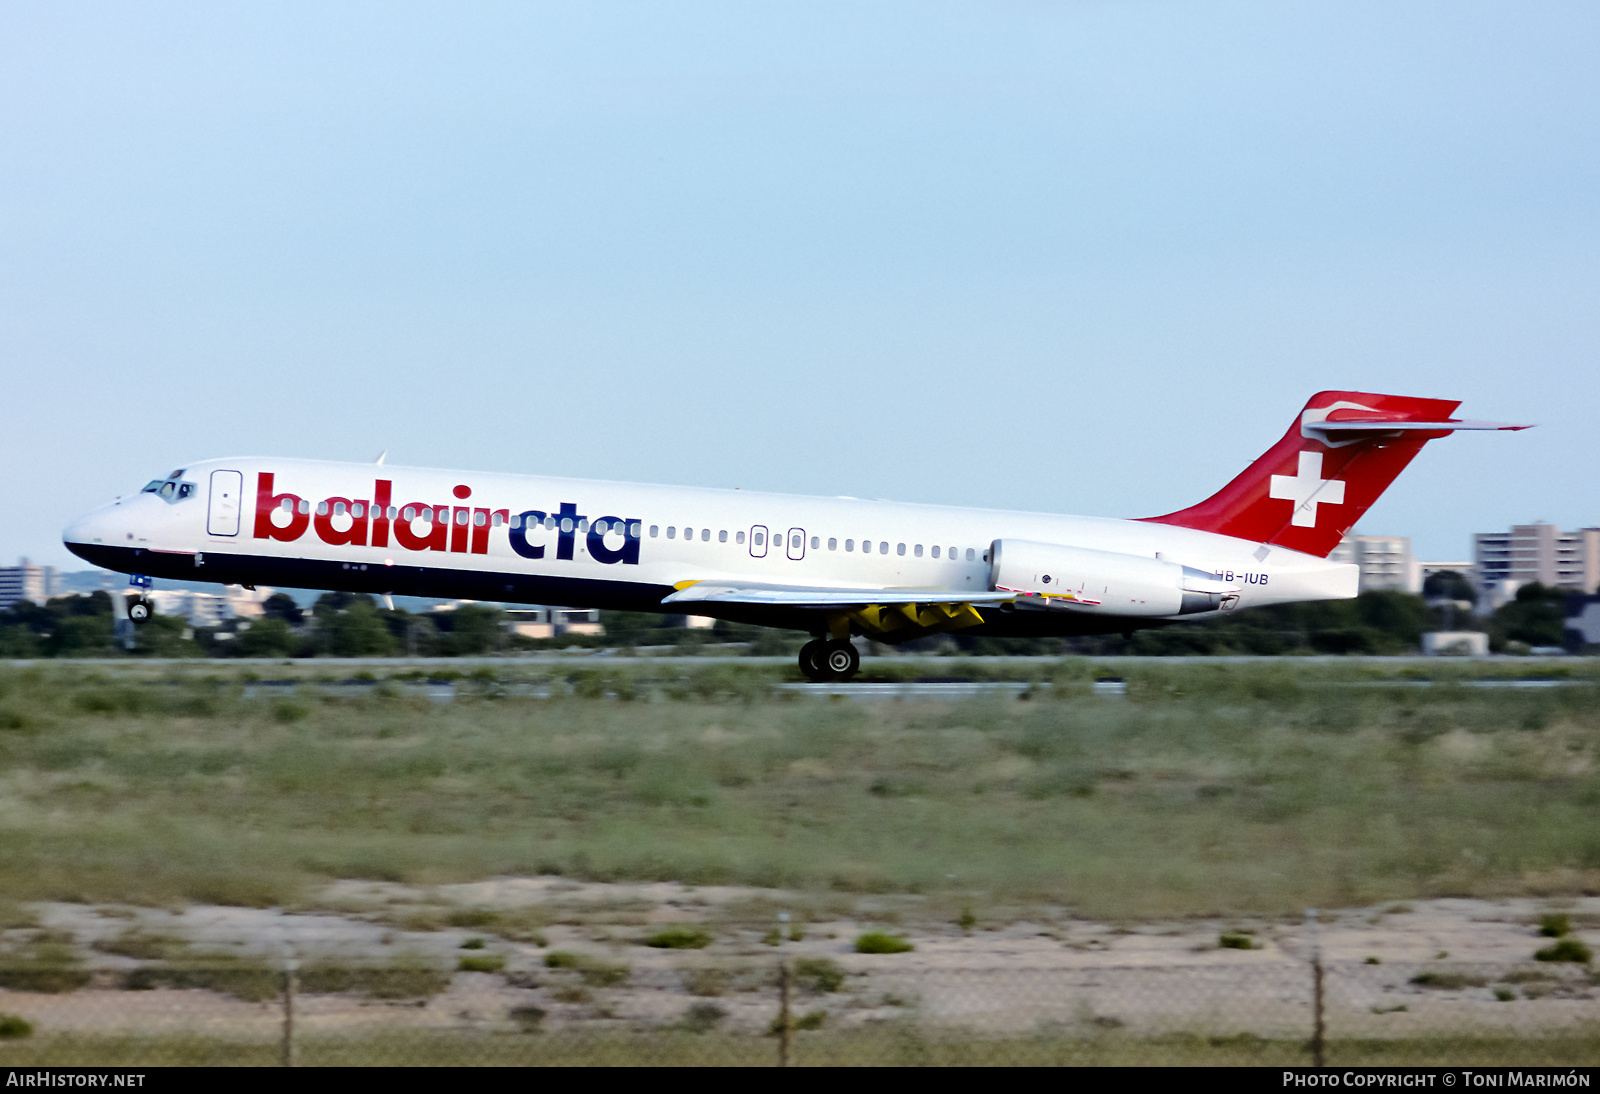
<point>1050,575</point>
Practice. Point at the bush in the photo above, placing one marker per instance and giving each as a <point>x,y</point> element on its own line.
<point>702,1017</point>
<point>1448,981</point>
<point>1554,926</point>
<point>408,976</point>
<point>1236,942</point>
<point>1566,949</point>
<point>249,979</point>
<point>46,976</point>
<point>882,942</point>
<point>679,938</point>
<point>820,974</point>
<point>520,925</point>
<point>529,1018</point>
<point>481,962</point>
<point>595,973</point>
<point>134,942</point>
<point>13,1027</point>
<point>706,981</point>
<point>812,1020</point>
<point>600,974</point>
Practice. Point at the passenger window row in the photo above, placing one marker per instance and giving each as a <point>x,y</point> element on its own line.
<point>759,539</point>
<point>442,515</point>
<point>690,533</point>
<point>900,549</point>
<point>428,514</point>
<point>567,524</point>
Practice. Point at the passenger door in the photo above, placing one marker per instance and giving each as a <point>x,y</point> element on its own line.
<point>797,543</point>
<point>222,519</point>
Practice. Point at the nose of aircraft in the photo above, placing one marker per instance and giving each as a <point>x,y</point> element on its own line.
<point>98,528</point>
<point>79,534</point>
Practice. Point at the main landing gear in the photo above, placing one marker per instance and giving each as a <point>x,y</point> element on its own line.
<point>832,660</point>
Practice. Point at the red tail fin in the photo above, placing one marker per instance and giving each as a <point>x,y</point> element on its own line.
<point>1311,487</point>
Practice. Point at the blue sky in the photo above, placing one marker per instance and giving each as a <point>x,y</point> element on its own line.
<point>1082,257</point>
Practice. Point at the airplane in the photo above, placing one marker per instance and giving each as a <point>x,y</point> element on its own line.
<point>833,567</point>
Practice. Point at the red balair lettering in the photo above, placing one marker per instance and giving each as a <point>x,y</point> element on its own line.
<point>380,512</point>
<point>355,535</point>
<point>480,532</point>
<point>460,518</point>
<point>268,503</point>
<point>437,537</point>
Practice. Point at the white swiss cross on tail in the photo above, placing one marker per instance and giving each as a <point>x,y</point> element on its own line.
<point>1307,490</point>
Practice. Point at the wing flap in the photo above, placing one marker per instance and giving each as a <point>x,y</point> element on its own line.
<point>798,596</point>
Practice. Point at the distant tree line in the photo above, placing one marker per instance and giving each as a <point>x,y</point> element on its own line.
<point>1377,622</point>
<point>356,625</point>
<point>338,625</point>
<point>634,629</point>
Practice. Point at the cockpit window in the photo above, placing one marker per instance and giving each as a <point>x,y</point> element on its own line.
<point>171,489</point>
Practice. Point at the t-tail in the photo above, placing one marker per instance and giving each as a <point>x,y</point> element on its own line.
<point>1339,456</point>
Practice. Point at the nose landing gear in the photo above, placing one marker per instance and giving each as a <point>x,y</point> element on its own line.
<point>139,607</point>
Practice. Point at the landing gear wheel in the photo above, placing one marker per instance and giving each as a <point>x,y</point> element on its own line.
<point>139,610</point>
<point>841,660</point>
<point>811,662</point>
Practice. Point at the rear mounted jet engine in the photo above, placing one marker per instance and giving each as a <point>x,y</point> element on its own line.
<point>1049,575</point>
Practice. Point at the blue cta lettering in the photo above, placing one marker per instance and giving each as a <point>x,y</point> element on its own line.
<point>566,525</point>
<point>521,524</point>
<point>628,553</point>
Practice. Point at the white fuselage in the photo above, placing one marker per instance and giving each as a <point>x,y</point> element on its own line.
<point>537,539</point>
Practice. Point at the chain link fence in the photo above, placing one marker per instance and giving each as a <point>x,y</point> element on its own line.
<point>888,1010</point>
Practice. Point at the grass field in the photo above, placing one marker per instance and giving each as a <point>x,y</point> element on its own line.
<point>1207,789</point>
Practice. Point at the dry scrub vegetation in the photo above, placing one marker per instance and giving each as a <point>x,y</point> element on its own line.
<point>1208,789</point>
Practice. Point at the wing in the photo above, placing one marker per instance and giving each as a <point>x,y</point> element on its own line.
<point>885,614</point>
<point>800,596</point>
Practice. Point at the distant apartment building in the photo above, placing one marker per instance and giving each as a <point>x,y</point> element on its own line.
<point>211,609</point>
<point>1537,552</point>
<point>198,609</point>
<point>27,582</point>
<point>542,622</point>
<point>1386,562</point>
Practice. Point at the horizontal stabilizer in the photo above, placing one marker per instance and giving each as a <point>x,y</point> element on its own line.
<point>1331,429</point>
